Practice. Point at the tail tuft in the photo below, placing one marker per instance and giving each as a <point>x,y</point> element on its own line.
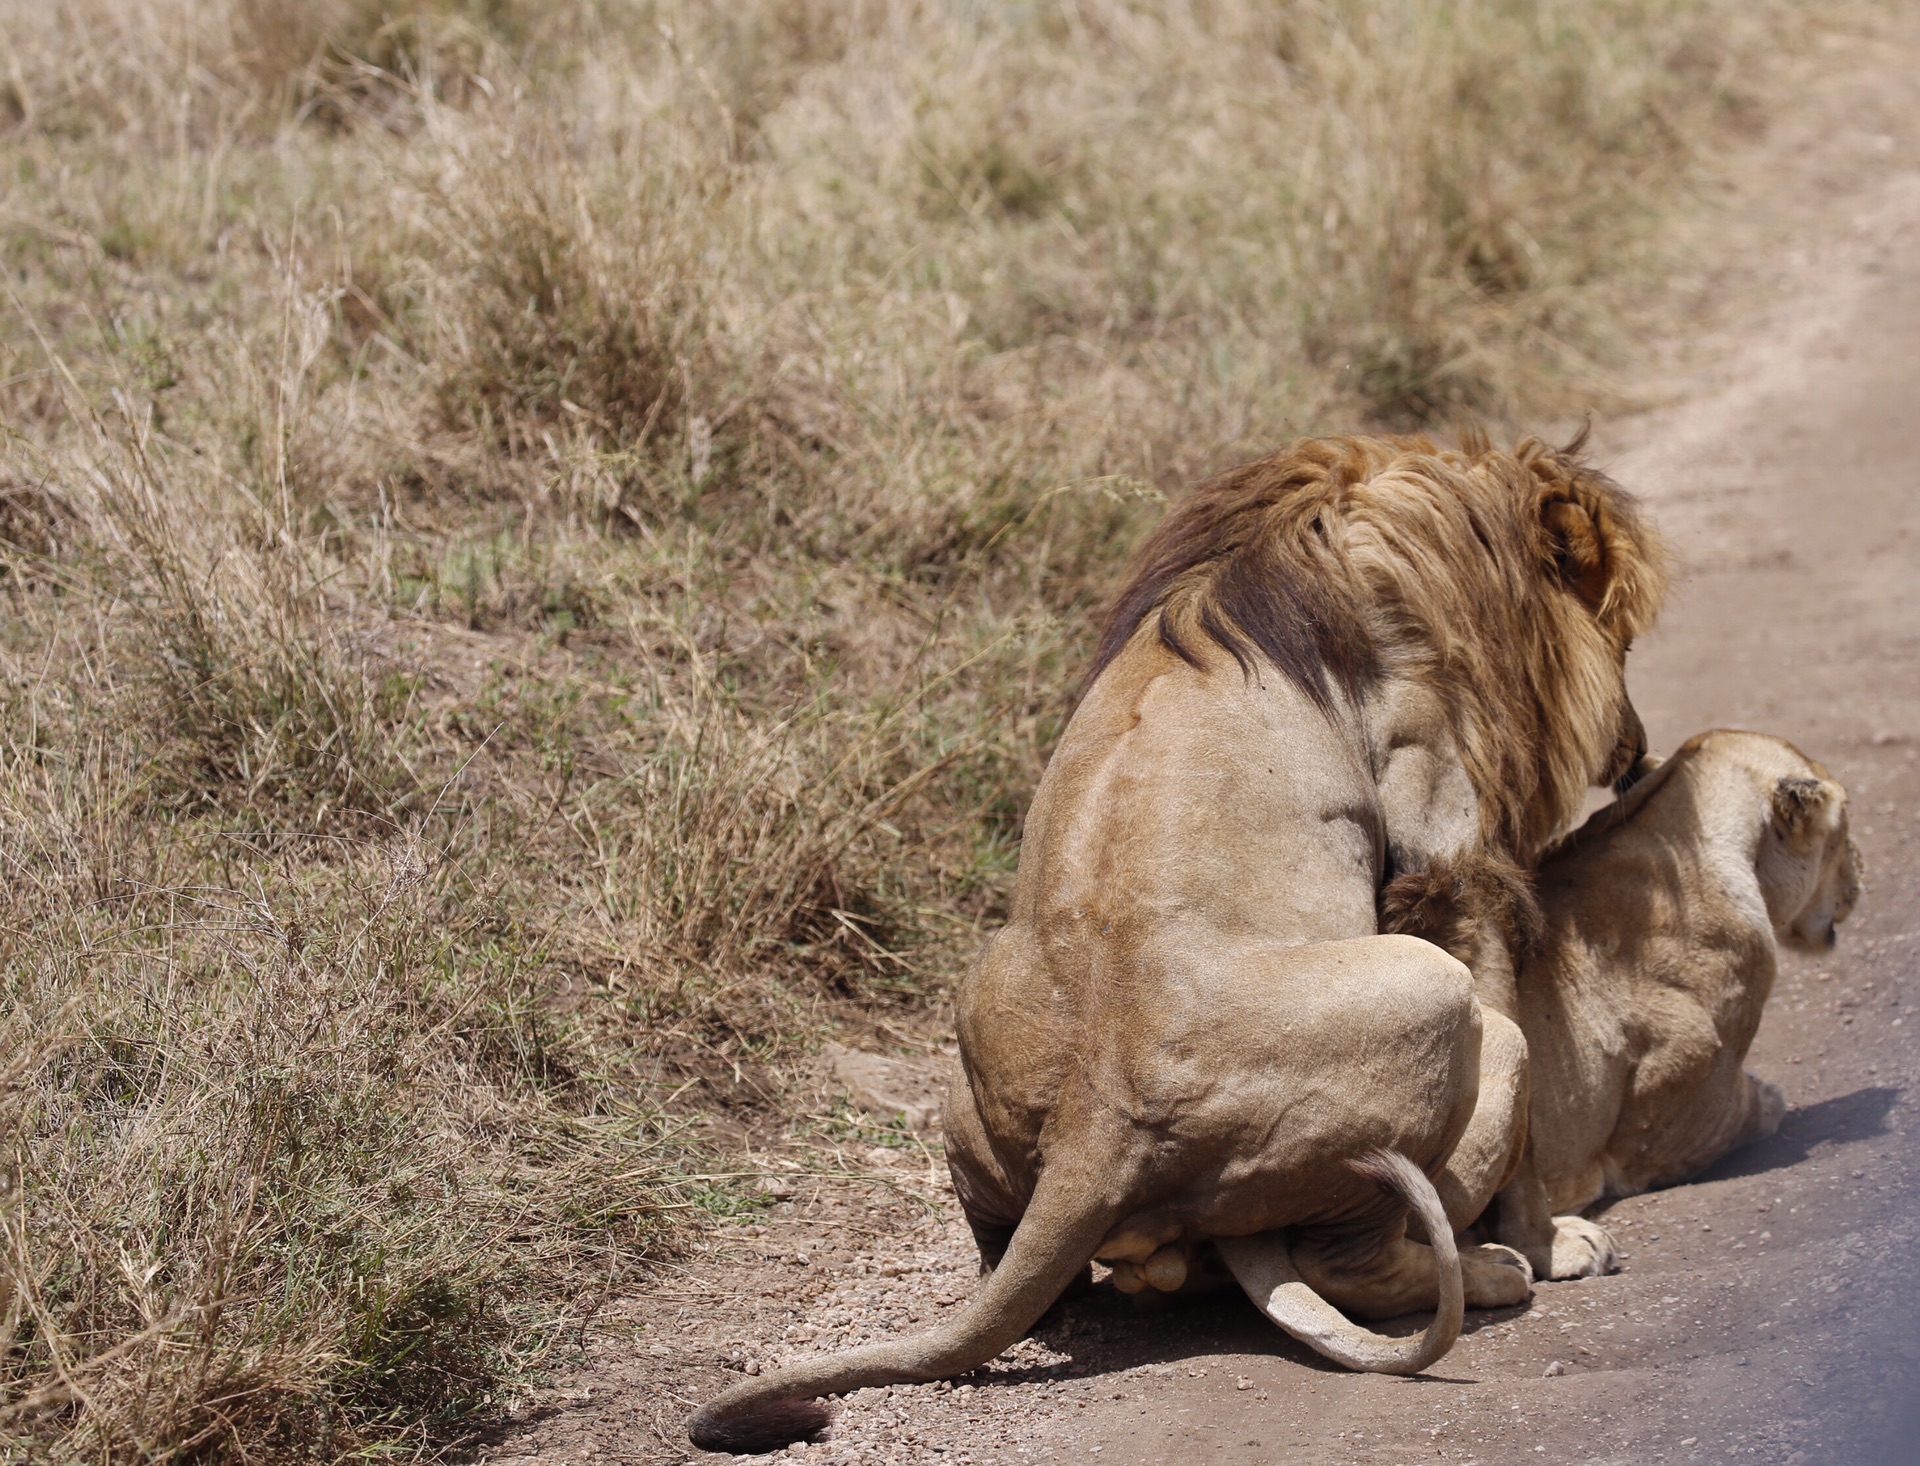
<point>1389,1170</point>
<point>770,1428</point>
<point>1453,902</point>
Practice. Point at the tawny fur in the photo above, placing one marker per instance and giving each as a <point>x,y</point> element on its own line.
<point>1451,901</point>
<point>1647,988</point>
<point>1355,656</point>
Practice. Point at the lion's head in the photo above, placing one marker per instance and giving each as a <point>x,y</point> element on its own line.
<point>1511,584</point>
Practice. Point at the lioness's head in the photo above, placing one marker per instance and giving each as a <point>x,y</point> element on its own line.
<point>1809,867</point>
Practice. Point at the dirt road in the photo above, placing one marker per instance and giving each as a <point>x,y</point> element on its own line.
<point>1769,1312</point>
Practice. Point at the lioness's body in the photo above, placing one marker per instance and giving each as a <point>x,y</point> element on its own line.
<point>1661,920</point>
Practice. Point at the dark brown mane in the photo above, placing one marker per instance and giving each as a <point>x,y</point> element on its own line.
<point>1254,590</point>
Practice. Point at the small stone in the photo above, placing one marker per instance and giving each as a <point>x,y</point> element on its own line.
<point>891,1088</point>
<point>1243,1383</point>
<point>1554,1370</point>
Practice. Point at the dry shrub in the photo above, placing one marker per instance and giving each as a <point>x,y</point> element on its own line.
<point>574,302</point>
<point>267,697</point>
<point>292,1168</point>
<point>344,61</point>
<point>34,519</point>
<point>740,852</point>
<point>212,68</point>
<point>260,689</point>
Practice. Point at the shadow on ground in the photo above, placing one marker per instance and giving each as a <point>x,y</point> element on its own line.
<point>1860,1115</point>
<point>1104,1332</point>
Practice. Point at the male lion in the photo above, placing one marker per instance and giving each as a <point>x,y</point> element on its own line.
<point>1359,660</point>
<point>1646,992</point>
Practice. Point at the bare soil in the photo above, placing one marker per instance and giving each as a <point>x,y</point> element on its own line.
<point>1768,1312</point>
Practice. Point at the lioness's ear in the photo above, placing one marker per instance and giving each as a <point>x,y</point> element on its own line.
<point>1579,550</point>
<point>1800,806</point>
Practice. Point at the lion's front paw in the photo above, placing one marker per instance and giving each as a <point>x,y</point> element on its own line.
<point>1494,1276</point>
<point>1581,1249</point>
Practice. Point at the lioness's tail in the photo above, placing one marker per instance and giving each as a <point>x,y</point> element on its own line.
<point>1262,1266</point>
<point>1054,1241</point>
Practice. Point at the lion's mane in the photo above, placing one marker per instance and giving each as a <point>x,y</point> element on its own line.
<point>1508,582</point>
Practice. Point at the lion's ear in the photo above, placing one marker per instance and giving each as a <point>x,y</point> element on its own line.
<point>1802,806</point>
<point>1579,550</point>
<point>1593,541</point>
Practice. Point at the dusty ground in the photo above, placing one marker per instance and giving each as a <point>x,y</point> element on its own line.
<point>1770,1312</point>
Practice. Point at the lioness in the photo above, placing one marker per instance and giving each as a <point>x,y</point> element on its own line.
<point>1660,919</point>
<point>1356,660</point>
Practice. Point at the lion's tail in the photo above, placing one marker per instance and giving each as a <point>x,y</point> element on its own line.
<point>1263,1267</point>
<point>1053,1243</point>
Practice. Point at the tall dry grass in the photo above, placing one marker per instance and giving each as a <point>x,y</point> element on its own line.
<point>545,546</point>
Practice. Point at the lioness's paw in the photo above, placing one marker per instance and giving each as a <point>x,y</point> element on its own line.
<point>1581,1249</point>
<point>1769,1106</point>
<point>1493,1276</point>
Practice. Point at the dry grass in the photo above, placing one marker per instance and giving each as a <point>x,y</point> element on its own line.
<point>545,546</point>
